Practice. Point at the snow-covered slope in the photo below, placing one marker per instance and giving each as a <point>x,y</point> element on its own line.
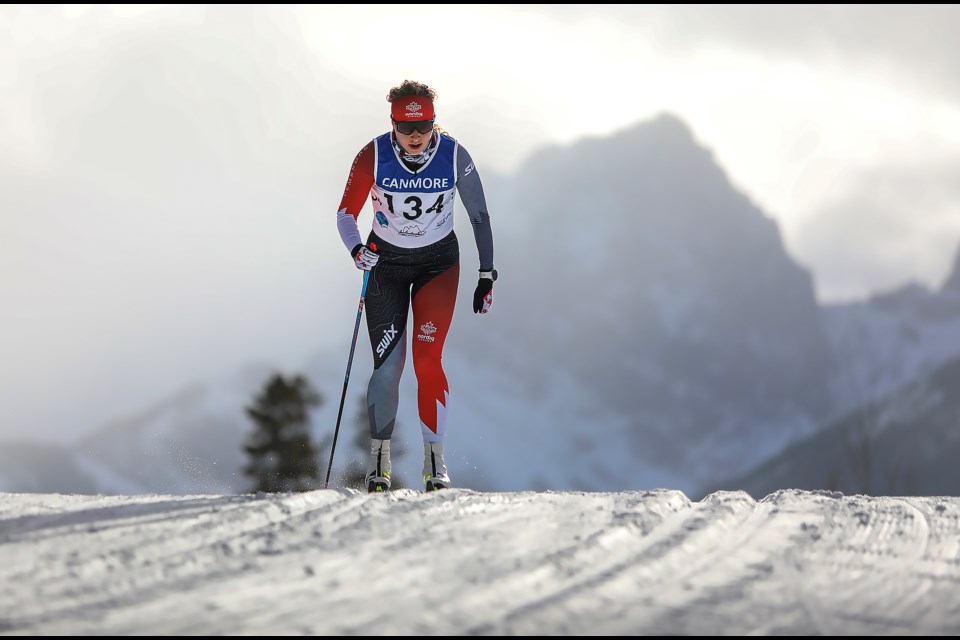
<point>889,341</point>
<point>907,443</point>
<point>895,382</point>
<point>457,562</point>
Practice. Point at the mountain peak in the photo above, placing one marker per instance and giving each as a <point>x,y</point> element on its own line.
<point>667,124</point>
<point>663,132</point>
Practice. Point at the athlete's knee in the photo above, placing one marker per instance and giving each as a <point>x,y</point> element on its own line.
<point>426,363</point>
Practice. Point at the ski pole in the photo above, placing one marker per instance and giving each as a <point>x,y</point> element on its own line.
<point>346,378</point>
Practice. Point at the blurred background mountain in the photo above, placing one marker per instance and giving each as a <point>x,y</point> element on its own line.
<point>649,329</point>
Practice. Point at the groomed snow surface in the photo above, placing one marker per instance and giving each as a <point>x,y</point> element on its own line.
<point>463,562</point>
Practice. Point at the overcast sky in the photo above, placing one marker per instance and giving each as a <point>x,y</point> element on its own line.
<point>161,167</point>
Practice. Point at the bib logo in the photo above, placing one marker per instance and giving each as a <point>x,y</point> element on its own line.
<point>388,336</point>
<point>412,230</point>
<point>382,219</point>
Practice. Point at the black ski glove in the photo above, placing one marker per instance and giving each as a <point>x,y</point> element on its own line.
<point>483,294</point>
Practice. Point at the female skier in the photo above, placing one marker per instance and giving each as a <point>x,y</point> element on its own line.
<point>411,174</point>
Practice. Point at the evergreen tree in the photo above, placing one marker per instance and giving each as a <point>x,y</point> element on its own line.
<point>281,454</point>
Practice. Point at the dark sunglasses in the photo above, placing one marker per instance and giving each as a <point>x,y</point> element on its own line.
<point>422,127</point>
